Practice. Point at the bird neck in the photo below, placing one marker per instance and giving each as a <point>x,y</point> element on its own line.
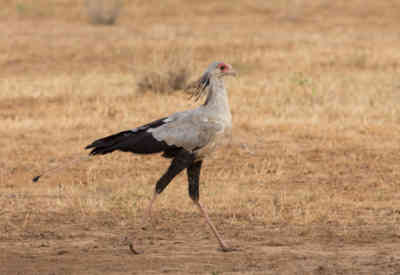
<point>217,98</point>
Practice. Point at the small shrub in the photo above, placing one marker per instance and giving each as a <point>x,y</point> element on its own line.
<point>164,82</point>
<point>103,12</point>
<point>173,73</point>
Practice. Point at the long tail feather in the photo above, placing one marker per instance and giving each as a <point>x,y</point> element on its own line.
<point>62,166</point>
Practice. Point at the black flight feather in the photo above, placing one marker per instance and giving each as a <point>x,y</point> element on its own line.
<point>138,141</point>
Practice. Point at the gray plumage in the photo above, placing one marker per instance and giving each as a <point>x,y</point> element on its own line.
<point>187,137</point>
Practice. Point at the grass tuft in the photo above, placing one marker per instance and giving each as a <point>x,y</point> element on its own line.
<point>168,72</point>
<point>103,12</point>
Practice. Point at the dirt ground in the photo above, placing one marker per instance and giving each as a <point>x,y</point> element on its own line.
<point>185,248</point>
<point>309,185</point>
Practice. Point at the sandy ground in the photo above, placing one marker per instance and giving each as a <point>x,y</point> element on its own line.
<point>184,246</point>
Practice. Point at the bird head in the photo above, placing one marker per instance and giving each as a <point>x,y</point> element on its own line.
<point>214,70</point>
<point>220,69</point>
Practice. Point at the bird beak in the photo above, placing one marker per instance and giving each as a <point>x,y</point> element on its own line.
<point>232,72</point>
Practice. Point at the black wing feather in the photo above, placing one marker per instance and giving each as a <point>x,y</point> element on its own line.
<point>138,141</point>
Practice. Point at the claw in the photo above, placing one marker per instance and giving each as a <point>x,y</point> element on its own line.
<point>133,250</point>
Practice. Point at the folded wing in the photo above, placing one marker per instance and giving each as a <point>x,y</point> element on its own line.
<point>191,133</point>
<point>186,130</point>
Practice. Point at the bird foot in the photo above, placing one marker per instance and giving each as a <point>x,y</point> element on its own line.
<point>228,249</point>
<point>133,250</point>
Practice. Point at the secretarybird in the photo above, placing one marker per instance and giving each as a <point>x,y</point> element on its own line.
<point>186,137</point>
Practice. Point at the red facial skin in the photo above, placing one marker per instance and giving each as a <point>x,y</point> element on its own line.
<point>223,67</point>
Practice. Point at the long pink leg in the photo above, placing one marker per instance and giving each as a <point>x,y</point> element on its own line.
<point>144,221</point>
<point>222,243</point>
<point>147,214</point>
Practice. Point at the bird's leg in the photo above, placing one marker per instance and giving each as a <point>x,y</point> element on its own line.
<point>178,164</point>
<point>193,173</point>
<point>222,243</point>
<point>147,214</point>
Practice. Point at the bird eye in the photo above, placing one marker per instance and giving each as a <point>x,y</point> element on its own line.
<point>223,67</point>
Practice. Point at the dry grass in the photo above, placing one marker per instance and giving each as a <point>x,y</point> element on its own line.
<point>316,113</point>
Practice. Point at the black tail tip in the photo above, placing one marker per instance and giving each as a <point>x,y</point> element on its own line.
<point>35,179</point>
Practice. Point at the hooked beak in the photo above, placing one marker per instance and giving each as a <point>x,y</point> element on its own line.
<point>232,72</point>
